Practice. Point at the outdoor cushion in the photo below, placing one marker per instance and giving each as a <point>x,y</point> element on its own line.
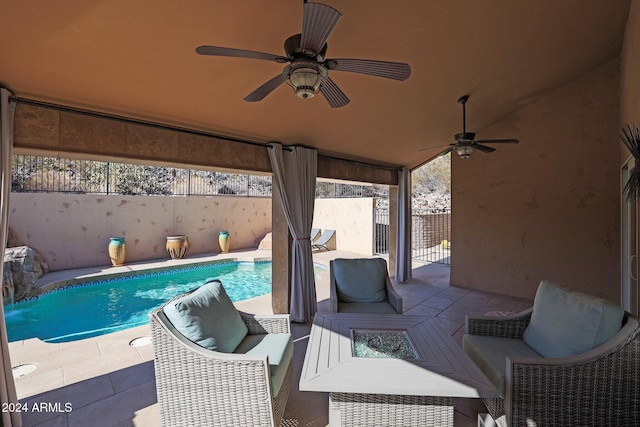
<point>366,307</point>
<point>566,323</point>
<point>207,317</point>
<point>490,355</point>
<point>279,348</point>
<point>361,280</point>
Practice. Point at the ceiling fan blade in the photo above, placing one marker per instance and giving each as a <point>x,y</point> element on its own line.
<point>496,141</point>
<point>239,53</point>
<point>265,89</point>
<point>317,23</point>
<point>483,148</point>
<point>332,93</point>
<point>388,70</point>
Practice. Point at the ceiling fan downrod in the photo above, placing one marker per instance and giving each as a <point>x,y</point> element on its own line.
<point>463,100</point>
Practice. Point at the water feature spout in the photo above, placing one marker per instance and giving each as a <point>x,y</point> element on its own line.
<point>8,291</point>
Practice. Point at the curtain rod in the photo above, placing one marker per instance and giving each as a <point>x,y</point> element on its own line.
<point>124,119</point>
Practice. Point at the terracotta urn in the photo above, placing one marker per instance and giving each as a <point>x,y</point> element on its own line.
<point>177,246</point>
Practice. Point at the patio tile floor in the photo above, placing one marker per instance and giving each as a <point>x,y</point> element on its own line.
<point>107,382</point>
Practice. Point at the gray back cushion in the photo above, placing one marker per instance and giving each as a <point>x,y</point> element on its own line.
<point>360,279</point>
<point>566,323</point>
<point>208,318</point>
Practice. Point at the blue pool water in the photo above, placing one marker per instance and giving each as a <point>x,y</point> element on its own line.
<point>99,308</point>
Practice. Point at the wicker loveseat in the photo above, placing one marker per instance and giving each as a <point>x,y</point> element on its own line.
<point>244,381</point>
<point>595,387</point>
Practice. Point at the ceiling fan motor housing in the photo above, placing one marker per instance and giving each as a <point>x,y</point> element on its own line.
<point>293,50</point>
<point>465,136</point>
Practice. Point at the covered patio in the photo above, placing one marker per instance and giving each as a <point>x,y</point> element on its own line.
<point>121,81</point>
<point>108,382</point>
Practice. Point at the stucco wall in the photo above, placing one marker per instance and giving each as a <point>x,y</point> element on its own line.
<point>547,208</point>
<point>629,72</point>
<point>351,218</point>
<point>630,114</point>
<point>73,230</point>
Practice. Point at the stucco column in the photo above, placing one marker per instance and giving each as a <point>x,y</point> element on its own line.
<point>393,228</point>
<point>281,255</point>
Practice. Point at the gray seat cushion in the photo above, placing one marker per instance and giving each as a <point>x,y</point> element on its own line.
<point>361,280</point>
<point>207,317</point>
<point>279,348</point>
<point>567,323</point>
<point>490,355</point>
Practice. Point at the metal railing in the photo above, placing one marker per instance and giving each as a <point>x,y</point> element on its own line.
<point>380,231</point>
<point>430,234</point>
<point>51,174</point>
<point>336,190</point>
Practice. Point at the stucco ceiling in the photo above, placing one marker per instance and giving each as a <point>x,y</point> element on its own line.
<point>137,59</point>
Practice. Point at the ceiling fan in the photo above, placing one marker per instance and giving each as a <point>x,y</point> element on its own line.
<point>308,69</point>
<point>465,143</point>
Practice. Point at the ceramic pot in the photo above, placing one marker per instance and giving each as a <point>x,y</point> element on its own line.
<point>225,241</point>
<point>177,246</point>
<point>117,250</point>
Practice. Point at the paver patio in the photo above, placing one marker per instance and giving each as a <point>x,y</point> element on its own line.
<point>107,382</point>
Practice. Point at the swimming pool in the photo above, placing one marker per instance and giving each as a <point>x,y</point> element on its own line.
<point>97,308</point>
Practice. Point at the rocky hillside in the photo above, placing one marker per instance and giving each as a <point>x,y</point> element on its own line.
<point>431,183</point>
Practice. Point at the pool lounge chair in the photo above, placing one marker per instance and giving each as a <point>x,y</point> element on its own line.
<point>321,242</point>
<point>216,366</point>
<point>315,232</point>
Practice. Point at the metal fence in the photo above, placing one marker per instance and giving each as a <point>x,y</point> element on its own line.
<point>430,234</point>
<point>335,190</point>
<point>51,174</point>
<point>381,231</point>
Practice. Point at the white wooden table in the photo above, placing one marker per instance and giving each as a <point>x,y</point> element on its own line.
<point>389,391</point>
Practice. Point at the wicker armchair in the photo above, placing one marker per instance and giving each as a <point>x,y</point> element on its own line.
<point>360,275</point>
<point>596,388</point>
<point>200,387</point>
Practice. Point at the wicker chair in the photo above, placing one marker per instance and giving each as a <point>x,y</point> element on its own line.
<point>360,280</point>
<point>596,388</point>
<point>200,387</point>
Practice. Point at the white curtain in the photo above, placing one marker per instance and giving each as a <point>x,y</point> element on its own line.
<point>7,386</point>
<point>403,243</point>
<point>294,170</point>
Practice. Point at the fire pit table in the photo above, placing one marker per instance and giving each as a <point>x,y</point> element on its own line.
<point>388,369</point>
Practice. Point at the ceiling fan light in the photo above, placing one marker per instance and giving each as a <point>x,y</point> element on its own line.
<point>305,82</point>
<point>465,151</point>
